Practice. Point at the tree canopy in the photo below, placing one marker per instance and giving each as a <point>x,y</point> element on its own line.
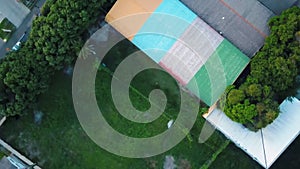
<point>273,74</point>
<point>54,42</point>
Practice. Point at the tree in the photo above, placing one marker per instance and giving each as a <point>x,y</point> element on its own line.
<point>273,74</point>
<point>297,35</point>
<point>254,91</point>
<point>242,112</point>
<point>235,96</point>
<point>54,42</point>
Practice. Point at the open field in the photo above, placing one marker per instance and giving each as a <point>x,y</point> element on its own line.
<point>60,142</point>
<point>1,154</point>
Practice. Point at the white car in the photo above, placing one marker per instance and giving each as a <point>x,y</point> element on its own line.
<point>16,46</point>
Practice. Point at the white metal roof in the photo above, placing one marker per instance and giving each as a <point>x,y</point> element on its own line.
<point>267,144</point>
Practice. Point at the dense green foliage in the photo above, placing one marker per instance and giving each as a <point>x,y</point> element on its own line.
<point>273,75</point>
<point>54,42</point>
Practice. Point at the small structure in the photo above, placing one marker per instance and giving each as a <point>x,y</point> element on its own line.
<point>5,164</point>
<point>12,162</point>
<point>170,123</point>
<point>267,144</point>
<point>15,160</point>
<point>169,163</point>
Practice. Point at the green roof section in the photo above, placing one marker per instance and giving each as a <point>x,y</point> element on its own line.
<point>221,69</point>
<point>233,60</point>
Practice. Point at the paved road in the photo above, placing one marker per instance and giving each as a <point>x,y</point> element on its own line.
<point>1,16</point>
<point>1,42</point>
<point>14,11</point>
<point>298,3</point>
<point>25,25</point>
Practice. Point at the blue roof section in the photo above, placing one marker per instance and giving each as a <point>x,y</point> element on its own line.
<point>176,8</point>
<point>163,28</point>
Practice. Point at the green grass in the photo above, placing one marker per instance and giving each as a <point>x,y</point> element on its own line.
<point>60,142</point>
<point>233,157</point>
<point>215,155</point>
<point>1,155</point>
<point>6,24</point>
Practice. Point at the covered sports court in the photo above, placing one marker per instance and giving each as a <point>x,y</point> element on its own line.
<point>242,22</point>
<point>277,6</point>
<point>183,44</point>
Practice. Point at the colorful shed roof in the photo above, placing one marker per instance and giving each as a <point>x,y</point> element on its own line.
<point>180,42</point>
<point>243,22</point>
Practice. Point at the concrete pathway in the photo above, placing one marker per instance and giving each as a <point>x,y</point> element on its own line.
<point>1,17</point>
<point>1,42</point>
<point>14,11</point>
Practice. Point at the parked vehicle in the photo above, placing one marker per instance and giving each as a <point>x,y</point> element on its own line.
<point>16,46</point>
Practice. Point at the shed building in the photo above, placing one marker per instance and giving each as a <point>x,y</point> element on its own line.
<point>242,22</point>
<point>183,44</point>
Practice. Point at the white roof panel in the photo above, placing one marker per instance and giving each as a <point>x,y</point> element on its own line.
<point>265,145</point>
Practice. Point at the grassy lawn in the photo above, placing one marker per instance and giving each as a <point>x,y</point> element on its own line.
<point>60,142</point>
<point>233,157</point>
<point>1,155</point>
<point>6,24</point>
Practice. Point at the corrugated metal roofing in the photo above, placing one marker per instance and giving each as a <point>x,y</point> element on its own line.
<point>277,6</point>
<point>267,144</point>
<point>243,22</point>
<point>120,12</point>
<point>221,69</point>
<point>184,45</point>
<point>5,164</point>
<point>151,35</point>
